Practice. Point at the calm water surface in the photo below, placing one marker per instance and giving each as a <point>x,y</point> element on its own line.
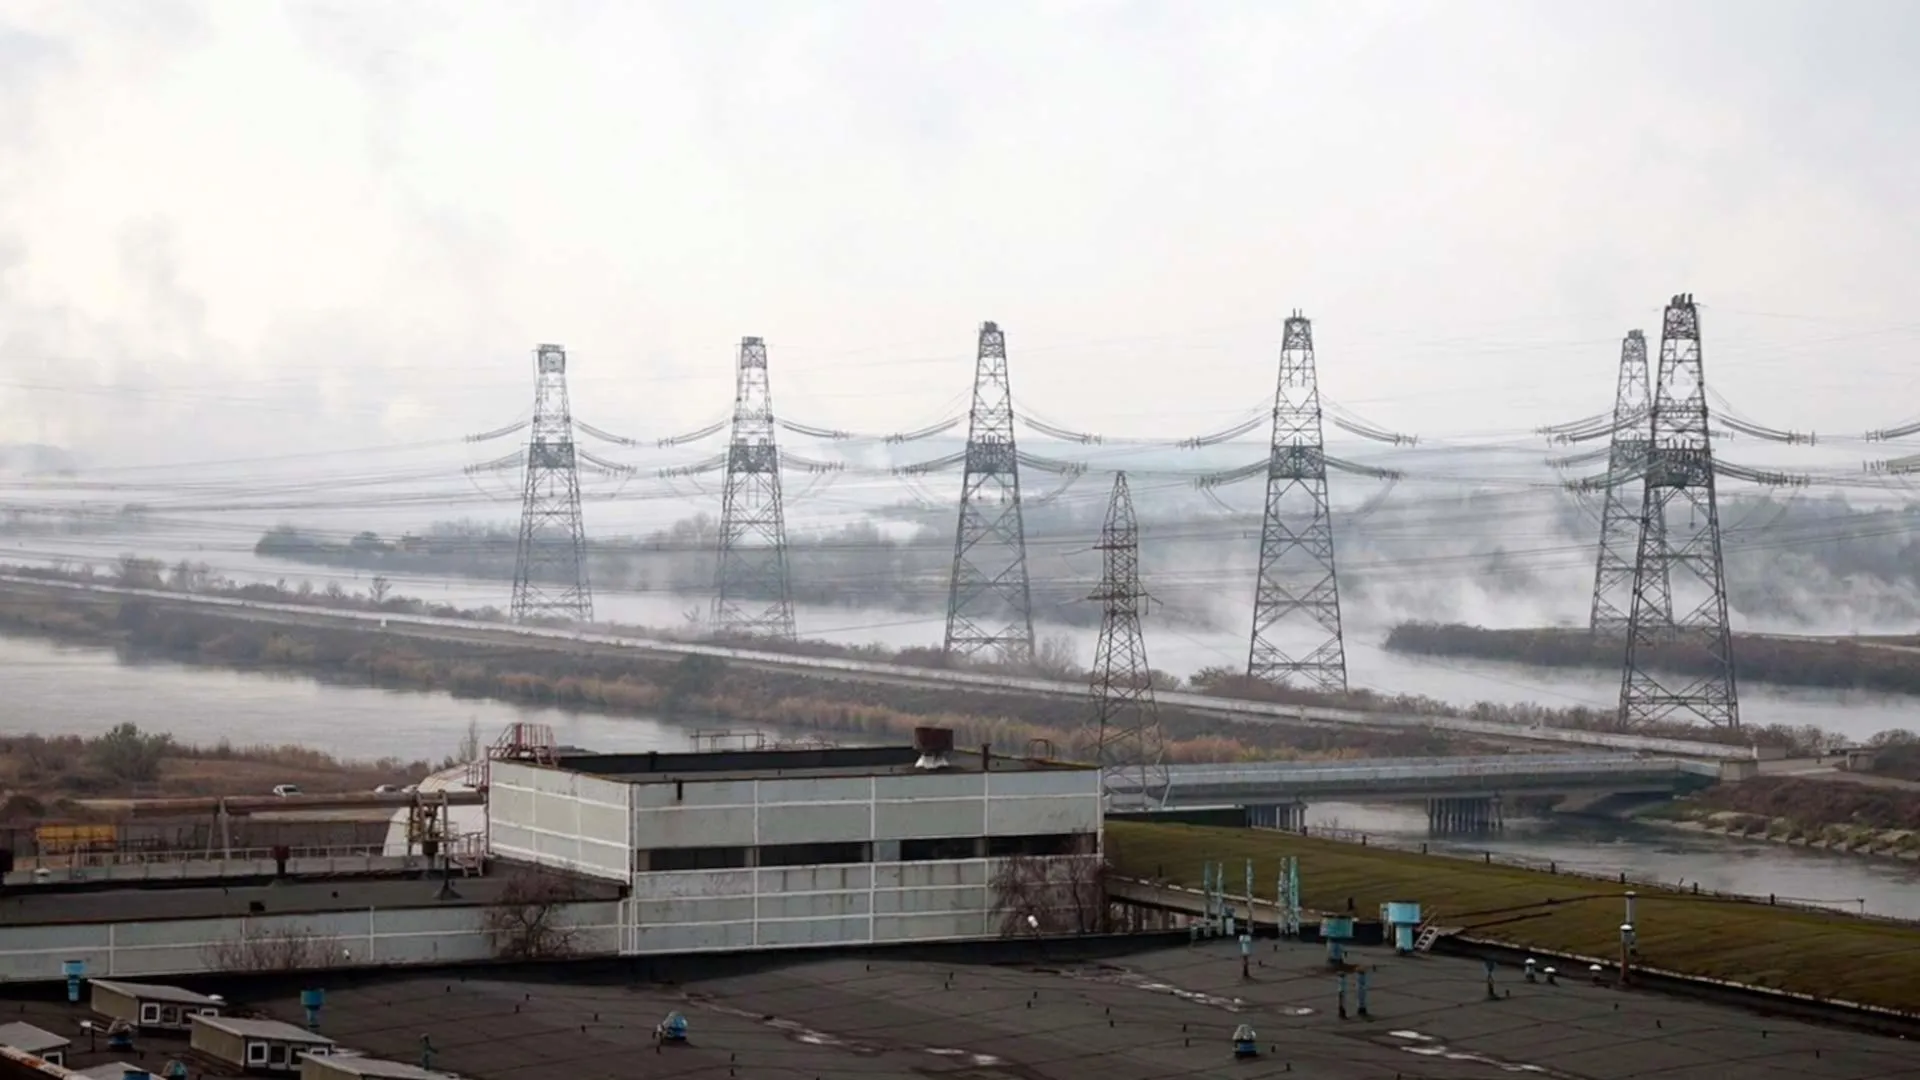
<point>54,689</point>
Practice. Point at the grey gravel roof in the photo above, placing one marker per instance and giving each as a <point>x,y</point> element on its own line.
<point>379,1068</point>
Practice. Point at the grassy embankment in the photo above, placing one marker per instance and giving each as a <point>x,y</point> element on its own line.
<point>1886,665</point>
<point>531,686</point>
<point>1831,956</point>
<point>63,776</point>
<point>1865,818</point>
<point>558,673</point>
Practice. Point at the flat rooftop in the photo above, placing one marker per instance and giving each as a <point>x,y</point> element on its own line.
<point>811,762</point>
<point>47,905</point>
<point>1165,1013</point>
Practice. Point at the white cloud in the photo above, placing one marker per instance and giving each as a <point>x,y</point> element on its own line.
<point>323,205</point>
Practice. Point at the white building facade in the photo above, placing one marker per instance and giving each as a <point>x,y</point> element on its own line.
<point>795,848</point>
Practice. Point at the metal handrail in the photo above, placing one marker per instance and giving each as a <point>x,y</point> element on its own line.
<point>1189,776</point>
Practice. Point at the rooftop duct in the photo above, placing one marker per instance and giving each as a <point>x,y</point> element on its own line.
<point>935,747</point>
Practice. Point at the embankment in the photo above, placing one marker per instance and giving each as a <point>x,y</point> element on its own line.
<point>1825,955</point>
<point>1865,664</point>
<point>190,581</point>
<point>1831,814</point>
<point>568,674</point>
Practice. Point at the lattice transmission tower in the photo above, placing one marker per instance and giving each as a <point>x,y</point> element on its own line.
<point>989,600</point>
<point>1679,560</point>
<point>1296,602</point>
<point>1620,518</point>
<point>752,595</point>
<point>1126,722</point>
<point>550,563</point>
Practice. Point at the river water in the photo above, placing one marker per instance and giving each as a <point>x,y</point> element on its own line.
<point>53,689</point>
<point>1180,649</point>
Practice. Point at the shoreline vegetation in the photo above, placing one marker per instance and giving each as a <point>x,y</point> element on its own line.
<point>547,672</point>
<point>1821,953</point>
<point>1887,665</point>
<point>64,776</point>
<point>1860,818</point>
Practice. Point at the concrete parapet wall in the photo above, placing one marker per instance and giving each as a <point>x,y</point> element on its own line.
<point>135,869</point>
<point>369,937</point>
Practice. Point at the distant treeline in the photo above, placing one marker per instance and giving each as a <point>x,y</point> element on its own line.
<point>1830,665</point>
<point>1806,561</point>
<point>72,521</point>
<point>856,565</point>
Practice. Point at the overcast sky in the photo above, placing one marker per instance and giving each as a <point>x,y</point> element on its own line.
<point>227,225</point>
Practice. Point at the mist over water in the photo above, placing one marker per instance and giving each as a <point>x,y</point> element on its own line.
<point>1174,645</point>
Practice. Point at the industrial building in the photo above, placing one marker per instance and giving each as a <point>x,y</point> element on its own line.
<point>793,848</point>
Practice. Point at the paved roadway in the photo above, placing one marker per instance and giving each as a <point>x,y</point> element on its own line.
<point>448,629</point>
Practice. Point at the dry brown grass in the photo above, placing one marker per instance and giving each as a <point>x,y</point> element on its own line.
<point>1827,955</point>
<point>39,773</point>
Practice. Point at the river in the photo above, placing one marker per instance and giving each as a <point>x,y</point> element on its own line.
<point>55,689</point>
<point>1180,649</point>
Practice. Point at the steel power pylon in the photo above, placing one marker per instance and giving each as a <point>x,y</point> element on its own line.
<point>550,563</point>
<point>1613,586</point>
<point>1679,557</point>
<point>1126,722</point>
<point>989,601</point>
<point>1296,601</point>
<point>752,596</point>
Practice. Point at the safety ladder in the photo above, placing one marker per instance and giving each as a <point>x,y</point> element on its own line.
<point>1429,934</point>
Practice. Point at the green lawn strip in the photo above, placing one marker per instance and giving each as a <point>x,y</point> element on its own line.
<point>1873,963</point>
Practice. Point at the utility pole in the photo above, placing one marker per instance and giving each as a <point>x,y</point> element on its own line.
<point>752,595</point>
<point>550,563</point>
<point>1613,577</point>
<point>989,602</point>
<point>1296,602</point>
<point>1126,720</point>
<point>1679,560</point>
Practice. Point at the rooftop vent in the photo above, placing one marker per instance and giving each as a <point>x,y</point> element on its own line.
<point>934,744</point>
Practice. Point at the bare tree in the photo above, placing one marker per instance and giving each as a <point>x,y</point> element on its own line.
<point>379,589</point>
<point>275,950</point>
<point>529,921</point>
<point>1057,657</point>
<point>470,749</point>
<point>1053,894</point>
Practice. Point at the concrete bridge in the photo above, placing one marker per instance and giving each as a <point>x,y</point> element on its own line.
<point>432,627</point>
<point>1462,794</point>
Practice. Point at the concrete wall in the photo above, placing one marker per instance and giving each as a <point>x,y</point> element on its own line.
<point>186,946</point>
<point>748,813</point>
<point>885,900</point>
<point>794,907</point>
<point>213,869</point>
<point>563,819</point>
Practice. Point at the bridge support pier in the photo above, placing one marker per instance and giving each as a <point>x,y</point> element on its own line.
<point>1285,817</point>
<point>1452,817</point>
